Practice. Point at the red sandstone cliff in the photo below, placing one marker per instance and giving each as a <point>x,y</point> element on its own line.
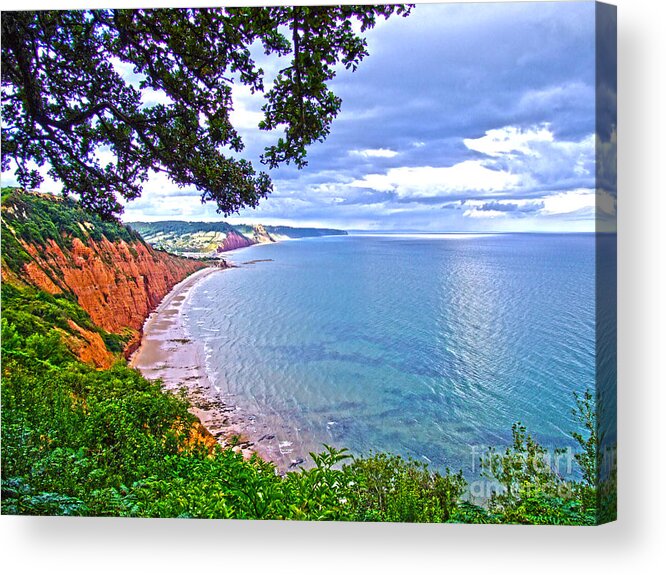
<point>233,241</point>
<point>117,283</point>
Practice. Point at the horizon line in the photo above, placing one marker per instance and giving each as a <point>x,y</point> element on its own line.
<point>375,231</point>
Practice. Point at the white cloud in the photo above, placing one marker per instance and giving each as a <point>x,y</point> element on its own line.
<point>518,161</point>
<point>247,113</point>
<point>473,213</point>
<point>557,97</point>
<point>126,70</point>
<point>504,141</point>
<point>428,181</point>
<point>536,153</point>
<point>150,97</point>
<point>568,202</point>
<point>375,153</point>
<point>155,206</point>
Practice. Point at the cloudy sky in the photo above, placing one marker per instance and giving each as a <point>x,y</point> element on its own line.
<point>464,117</point>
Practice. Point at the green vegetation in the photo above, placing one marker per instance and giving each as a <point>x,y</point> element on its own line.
<point>37,312</point>
<point>37,218</point>
<point>63,99</point>
<point>293,233</point>
<point>180,237</point>
<point>180,228</point>
<point>530,489</point>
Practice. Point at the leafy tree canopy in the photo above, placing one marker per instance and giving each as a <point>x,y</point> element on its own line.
<point>64,100</point>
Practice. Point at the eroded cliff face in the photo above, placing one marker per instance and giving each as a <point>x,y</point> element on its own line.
<point>88,346</point>
<point>261,236</point>
<point>233,241</point>
<point>57,247</point>
<point>117,283</point>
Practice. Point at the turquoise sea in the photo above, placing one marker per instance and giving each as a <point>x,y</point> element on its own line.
<point>430,346</point>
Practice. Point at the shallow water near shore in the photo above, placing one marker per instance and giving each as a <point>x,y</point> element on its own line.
<point>427,346</point>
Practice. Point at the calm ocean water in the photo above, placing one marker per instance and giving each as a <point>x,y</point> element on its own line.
<point>418,345</point>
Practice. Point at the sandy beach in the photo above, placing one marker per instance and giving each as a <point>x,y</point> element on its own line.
<point>167,353</point>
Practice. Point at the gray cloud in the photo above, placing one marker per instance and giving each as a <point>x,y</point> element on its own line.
<point>511,208</point>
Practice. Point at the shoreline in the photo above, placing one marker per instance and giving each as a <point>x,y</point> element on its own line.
<point>167,352</point>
